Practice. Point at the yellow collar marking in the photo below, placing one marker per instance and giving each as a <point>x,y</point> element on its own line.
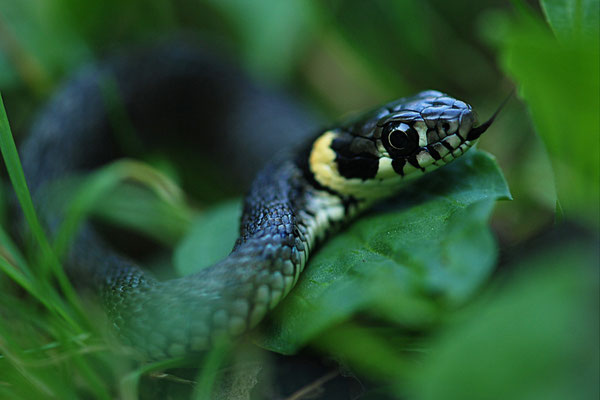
<point>323,166</point>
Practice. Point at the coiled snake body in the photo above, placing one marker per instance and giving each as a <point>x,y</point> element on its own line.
<point>294,202</point>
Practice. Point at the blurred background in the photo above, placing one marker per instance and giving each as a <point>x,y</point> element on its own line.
<point>336,57</point>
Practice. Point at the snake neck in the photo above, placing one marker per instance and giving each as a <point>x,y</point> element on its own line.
<point>284,218</point>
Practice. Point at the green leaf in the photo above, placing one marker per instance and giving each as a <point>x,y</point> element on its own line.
<point>102,194</point>
<point>210,239</point>
<point>427,249</point>
<point>141,210</point>
<point>534,338</point>
<point>560,81</point>
<point>572,18</point>
<point>17,177</point>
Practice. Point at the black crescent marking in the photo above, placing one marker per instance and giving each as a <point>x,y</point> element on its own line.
<point>448,146</point>
<point>363,166</point>
<point>433,152</point>
<point>398,165</point>
<point>413,161</point>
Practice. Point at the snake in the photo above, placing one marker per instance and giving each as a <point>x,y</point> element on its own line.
<point>301,196</point>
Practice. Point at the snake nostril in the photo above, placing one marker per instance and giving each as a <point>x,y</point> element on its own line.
<point>443,129</point>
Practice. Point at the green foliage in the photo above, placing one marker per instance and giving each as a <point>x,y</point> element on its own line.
<point>49,266</point>
<point>271,35</point>
<point>535,338</point>
<point>210,238</point>
<point>558,77</point>
<point>63,323</point>
<point>407,265</point>
<point>573,20</point>
<point>155,206</point>
<point>409,262</point>
<point>409,305</point>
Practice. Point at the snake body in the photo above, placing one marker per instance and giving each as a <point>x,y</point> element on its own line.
<point>294,203</point>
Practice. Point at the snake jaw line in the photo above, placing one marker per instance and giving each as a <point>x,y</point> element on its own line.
<point>371,158</point>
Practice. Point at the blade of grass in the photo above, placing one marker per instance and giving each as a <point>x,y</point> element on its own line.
<point>105,180</point>
<point>17,178</point>
<point>129,384</point>
<point>13,273</point>
<point>209,373</point>
<point>93,381</point>
<point>9,350</point>
<point>10,250</point>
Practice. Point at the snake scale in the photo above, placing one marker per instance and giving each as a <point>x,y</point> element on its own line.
<point>295,201</point>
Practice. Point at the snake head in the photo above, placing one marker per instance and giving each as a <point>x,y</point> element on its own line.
<point>369,156</point>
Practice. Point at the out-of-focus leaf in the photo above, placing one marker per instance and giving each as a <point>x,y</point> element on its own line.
<point>271,33</point>
<point>210,238</point>
<point>7,74</point>
<point>29,51</point>
<point>570,19</point>
<point>155,207</point>
<point>139,209</point>
<point>414,46</point>
<point>535,339</point>
<point>87,21</point>
<point>560,81</point>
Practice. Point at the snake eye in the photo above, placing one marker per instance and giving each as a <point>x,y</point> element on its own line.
<point>398,139</point>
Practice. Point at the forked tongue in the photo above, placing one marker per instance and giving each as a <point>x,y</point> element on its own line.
<point>478,131</point>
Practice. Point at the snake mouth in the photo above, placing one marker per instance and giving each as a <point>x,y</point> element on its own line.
<point>436,143</point>
<point>452,141</point>
<point>435,155</point>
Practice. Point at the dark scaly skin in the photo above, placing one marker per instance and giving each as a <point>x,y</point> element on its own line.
<point>290,206</point>
<point>231,296</point>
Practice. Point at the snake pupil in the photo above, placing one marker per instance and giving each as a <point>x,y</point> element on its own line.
<point>398,139</point>
<point>401,139</point>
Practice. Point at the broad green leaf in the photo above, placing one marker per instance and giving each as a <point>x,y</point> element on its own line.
<point>572,18</point>
<point>560,81</point>
<point>534,338</point>
<point>427,249</point>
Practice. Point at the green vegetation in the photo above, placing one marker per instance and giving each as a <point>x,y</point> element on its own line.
<point>443,295</point>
